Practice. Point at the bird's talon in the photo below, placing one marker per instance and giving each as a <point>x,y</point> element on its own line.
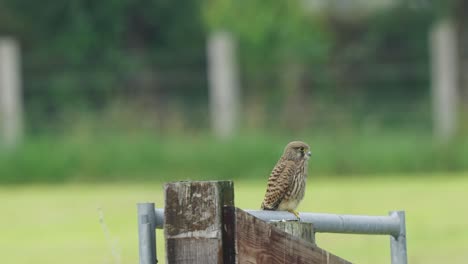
<point>295,213</point>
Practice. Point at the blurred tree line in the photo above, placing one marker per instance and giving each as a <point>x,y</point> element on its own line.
<point>334,63</point>
<point>323,69</point>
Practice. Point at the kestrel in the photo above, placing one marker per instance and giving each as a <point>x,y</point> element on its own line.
<point>286,185</point>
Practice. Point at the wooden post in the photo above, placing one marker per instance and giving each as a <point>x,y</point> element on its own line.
<point>223,79</point>
<point>10,93</point>
<point>444,79</point>
<point>193,222</point>
<point>301,230</point>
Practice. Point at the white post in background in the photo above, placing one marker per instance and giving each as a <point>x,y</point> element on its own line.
<point>444,79</point>
<point>10,93</point>
<point>223,77</point>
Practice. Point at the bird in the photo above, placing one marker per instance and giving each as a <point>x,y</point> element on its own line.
<point>287,181</point>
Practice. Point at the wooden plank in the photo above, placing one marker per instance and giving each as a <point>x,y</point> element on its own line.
<point>260,242</point>
<point>229,234</point>
<point>193,224</point>
<point>301,230</point>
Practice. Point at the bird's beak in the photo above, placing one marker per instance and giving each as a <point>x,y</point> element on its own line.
<point>309,153</point>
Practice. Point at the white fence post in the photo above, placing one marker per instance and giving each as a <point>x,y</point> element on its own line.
<point>10,92</point>
<point>444,79</point>
<point>223,77</point>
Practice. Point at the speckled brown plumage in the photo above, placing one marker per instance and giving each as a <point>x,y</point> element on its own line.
<point>286,185</point>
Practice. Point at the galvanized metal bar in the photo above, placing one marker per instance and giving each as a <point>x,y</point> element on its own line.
<point>145,241</point>
<point>335,223</point>
<point>327,223</point>
<point>398,242</point>
<point>147,233</point>
<point>159,212</point>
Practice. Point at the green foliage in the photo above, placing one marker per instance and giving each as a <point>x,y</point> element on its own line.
<point>280,30</point>
<point>84,54</point>
<point>103,156</point>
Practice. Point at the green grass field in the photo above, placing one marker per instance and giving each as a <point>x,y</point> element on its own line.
<point>60,223</point>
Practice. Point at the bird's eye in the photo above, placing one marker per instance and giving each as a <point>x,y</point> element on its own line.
<point>301,148</point>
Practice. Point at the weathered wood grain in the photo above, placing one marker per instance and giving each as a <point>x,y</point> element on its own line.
<point>259,242</point>
<point>301,230</point>
<point>193,222</point>
<point>229,234</point>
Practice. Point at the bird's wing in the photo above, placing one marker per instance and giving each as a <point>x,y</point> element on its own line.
<point>278,184</point>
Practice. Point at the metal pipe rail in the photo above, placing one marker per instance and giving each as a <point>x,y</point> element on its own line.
<point>326,223</point>
<point>335,223</point>
<point>393,225</point>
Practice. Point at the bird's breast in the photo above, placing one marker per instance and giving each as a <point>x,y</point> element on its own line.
<point>288,204</point>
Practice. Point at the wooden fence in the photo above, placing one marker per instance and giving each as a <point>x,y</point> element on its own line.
<point>202,225</point>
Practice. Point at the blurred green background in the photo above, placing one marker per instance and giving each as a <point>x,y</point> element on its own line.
<point>117,98</point>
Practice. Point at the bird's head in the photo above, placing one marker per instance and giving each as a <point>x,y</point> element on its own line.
<point>297,150</point>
